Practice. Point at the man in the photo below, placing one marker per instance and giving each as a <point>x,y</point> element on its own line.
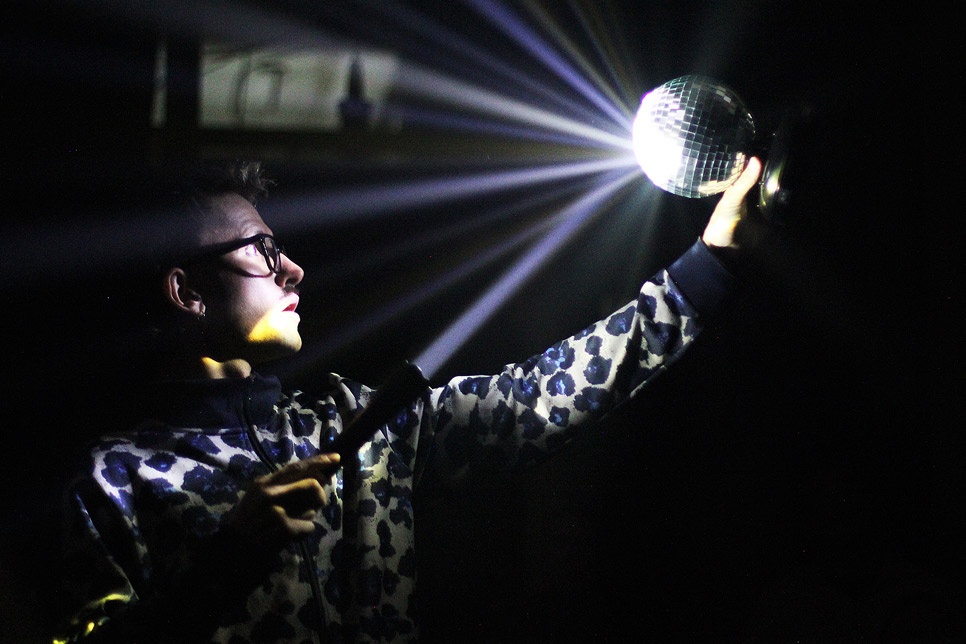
<point>224,517</point>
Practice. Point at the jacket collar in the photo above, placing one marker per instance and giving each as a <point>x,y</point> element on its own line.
<point>214,403</point>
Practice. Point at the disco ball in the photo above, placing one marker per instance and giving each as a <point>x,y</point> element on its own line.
<point>692,136</point>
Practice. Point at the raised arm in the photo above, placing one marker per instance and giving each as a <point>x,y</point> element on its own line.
<point>531,407</point>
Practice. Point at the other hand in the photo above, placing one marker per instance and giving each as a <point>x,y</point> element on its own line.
<point>279,507</point>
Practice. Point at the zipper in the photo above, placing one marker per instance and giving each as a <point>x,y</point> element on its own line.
<point>301,544</point>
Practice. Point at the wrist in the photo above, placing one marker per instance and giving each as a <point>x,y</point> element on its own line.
<point>729,256</point>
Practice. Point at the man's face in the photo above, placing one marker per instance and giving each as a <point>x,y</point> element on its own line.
<point>249,310</point>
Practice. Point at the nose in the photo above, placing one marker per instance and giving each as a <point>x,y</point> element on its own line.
<point>289,273</point>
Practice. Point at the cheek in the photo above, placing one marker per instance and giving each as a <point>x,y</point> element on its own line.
<point>237,307</point>
<point>248,307</point>
<point>256,318</point>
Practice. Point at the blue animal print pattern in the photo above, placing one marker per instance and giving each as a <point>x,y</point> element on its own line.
<point>149,501</point>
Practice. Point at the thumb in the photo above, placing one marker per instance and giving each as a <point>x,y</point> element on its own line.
<point>735,194</point>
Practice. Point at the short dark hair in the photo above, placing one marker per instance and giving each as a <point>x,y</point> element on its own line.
<point>244,177</point>
<point>170,212</point>
<point>184,204</point>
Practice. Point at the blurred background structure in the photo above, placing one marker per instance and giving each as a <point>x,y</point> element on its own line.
<point>799,476</point>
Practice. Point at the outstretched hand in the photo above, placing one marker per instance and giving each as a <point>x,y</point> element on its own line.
<point>279,507</point>
<point>729,226</point>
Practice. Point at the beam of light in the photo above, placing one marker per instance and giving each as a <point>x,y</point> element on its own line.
<point>374,201</point>
<point>531,42</point>
<point>207,20</point>
<point>113,244</point>
<point>611,48</point>
<point>336,339</point>
<point>450,91</point>
<point>459,47</point>
<point>442,120</point>
<point>448,234</point>
<point>566,224</point>
<point>545,20</point>
<point>107,244</point>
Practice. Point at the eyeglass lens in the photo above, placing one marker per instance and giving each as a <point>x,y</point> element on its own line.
<point>271,252</point>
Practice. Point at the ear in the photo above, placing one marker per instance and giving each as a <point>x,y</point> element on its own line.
<point>179,294</point>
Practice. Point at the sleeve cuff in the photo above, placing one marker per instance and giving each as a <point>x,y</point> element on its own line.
<point>702,278</point>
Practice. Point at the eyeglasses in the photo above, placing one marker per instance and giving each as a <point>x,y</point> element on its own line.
<point>264,243</point>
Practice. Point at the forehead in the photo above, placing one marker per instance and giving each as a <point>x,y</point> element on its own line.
<point>230,216</point>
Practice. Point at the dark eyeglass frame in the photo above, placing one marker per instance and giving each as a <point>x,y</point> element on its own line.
<point>268,248</point>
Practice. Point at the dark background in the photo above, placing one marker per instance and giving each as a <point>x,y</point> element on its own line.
<point>798,476</point>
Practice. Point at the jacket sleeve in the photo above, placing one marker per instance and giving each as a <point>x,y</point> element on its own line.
<point>94,585</point>
<point>107,593</point>
<point>531,408</point>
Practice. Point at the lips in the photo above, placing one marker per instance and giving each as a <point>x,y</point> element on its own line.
<point>292,306</point>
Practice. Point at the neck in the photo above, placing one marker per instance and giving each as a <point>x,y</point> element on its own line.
<point>237,368</point>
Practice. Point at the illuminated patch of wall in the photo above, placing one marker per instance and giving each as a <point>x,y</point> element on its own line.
<point>278,89</point>
<point>271,89</point>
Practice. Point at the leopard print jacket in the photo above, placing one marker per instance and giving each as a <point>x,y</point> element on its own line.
<point>146,560</point>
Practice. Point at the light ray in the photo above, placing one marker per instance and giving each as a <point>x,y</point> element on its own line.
<point>510,24</point>
<point>448,234</point>
<point>108,244</point>
<point>447,90</point>
<point>443,120</point>
<point>336,339</point>
<point>374,201</point>
<point>249,24</point>
<point>610,46</point>
<point>456,45</point>
<point>545,20</point>
<point>565,226</point>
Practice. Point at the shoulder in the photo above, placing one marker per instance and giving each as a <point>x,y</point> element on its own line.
<point>345,393</point>
<point>111,460</point>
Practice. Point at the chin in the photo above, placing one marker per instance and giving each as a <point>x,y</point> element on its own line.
<point>277,335</point>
